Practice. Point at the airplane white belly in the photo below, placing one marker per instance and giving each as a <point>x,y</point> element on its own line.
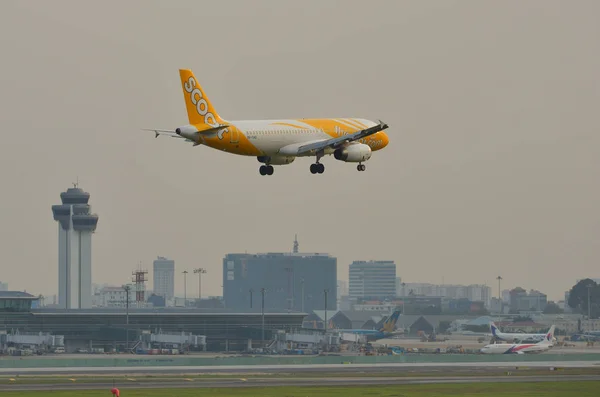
<point>271,144</point>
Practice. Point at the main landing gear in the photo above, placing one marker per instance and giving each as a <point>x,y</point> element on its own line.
<point>317,168</point>
<point>266,170</point>
<point>361,167</point>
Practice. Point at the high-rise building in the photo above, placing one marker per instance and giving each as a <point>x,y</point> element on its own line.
<point>372,280</point>
<point>75,227</point>
<point>342,288</point>
<point>342,292</point>
<point>399,287</point>
<point>164,277</point>
<point>479,293</point>
<point>472,292</point>
<point>520,300</point>
<point>3,286</point>
<point>293,281</point>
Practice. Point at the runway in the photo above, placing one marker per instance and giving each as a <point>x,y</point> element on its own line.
<point>241,369</point>
<point>238,383</point>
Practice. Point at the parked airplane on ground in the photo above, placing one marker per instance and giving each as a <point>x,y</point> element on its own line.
<point>590,336</point>
<point>385,331</point>
<point>517,337</point>
<point>276,142</point>
<point>521,348</point>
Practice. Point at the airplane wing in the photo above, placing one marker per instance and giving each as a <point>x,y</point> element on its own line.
<point>334,143</point>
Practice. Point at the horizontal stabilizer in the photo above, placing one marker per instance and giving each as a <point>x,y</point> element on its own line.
<point>158,132</point>
<point>188,132</point>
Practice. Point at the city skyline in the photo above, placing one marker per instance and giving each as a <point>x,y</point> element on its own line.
<point>192,283</point>
<point>295,246</point>
<point>491,169</point>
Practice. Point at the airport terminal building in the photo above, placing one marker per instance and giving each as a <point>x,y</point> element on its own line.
<point>117,328</point>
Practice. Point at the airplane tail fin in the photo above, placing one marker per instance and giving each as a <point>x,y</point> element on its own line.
<point>493,329</point>
<point>390,323</point>
<point>200,110</point>
<point>550,335</point>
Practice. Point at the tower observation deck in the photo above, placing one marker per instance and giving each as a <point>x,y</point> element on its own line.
<point>76,224</point>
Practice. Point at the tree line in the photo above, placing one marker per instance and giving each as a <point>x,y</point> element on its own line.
<point>578,297</point>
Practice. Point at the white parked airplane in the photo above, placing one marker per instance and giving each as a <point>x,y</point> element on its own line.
<point>521,348</point>
<point>518,337</point>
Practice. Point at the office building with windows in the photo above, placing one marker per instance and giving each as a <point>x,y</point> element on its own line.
<point>292,281</point>
<point>372,280</point>
<point>164,277</point>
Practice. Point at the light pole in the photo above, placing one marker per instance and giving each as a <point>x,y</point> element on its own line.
<point>302,288</point>
<point>185,272</point>
<point>251,291</point>
<point>325,324</point>
<point>127,288</point>
<point>403,296</point>
<point>262,292</point>
<point>200,271</point>
<point>589,287</point>
<point>499,293</point>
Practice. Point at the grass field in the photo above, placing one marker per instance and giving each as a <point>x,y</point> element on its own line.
<point>546,389</point>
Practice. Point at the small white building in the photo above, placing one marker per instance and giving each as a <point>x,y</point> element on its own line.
<point>112,296</point>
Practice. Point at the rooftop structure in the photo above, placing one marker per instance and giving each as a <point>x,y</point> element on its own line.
<point>16,301</point>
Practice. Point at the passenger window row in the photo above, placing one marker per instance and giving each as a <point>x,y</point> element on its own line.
<point>278,132</point>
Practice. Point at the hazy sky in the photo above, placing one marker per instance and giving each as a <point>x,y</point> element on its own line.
<point>493,165</point>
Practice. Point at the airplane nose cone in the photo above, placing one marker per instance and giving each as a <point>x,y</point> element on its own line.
<point>384,140</point>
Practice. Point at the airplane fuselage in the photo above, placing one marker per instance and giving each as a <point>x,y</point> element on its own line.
<point>519,348</point>
<point>269,137</point>
<point>518,337</point>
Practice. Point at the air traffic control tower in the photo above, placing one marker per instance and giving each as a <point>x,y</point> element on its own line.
<point>75,227</point>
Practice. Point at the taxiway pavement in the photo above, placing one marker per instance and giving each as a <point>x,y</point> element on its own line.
<point>240,369</point>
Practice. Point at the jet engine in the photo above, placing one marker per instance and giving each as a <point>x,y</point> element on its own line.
<point>355,153</point>
<point>276,160</point>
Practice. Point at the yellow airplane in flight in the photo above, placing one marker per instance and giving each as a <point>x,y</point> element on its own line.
<point>276,142</point>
